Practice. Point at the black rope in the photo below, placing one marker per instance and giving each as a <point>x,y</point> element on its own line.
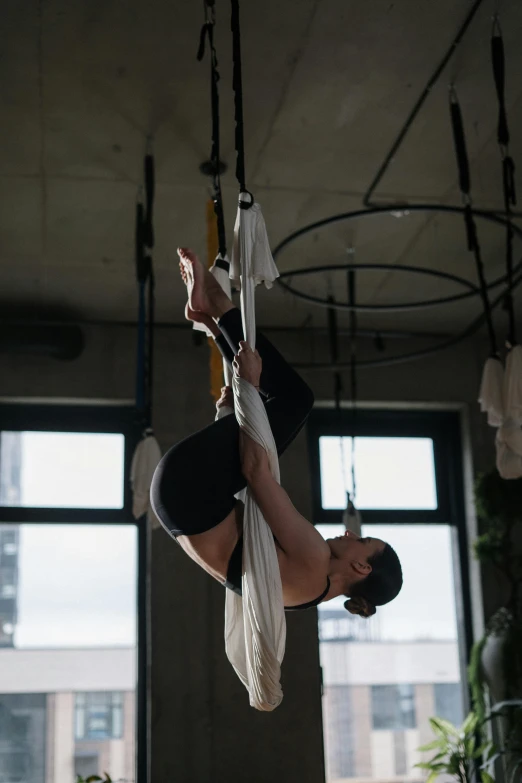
<point>353,369</point>
<point>469,221</point>
<point>426,92</point>
<point>508,168</point>
<point>144,239</point>
<point>237,84</point>
<point>148,236</point>
<point>149,366</point>
<point>207,31</point>
<point>333,338</point>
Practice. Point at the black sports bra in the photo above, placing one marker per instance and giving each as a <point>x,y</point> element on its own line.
<point>233,580</point>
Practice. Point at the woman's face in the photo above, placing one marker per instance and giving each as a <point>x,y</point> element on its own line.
<point>352,547</point>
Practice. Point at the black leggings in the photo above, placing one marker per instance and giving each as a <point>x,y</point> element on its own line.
<point>194,484</point>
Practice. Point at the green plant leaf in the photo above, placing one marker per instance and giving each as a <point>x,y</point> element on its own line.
<point>431,777</point>
<point>437,743</point>
<point>93,778</point>
<point>444,727</point>
<point>470,724</point>
<point>486,777</point>
<point>455,760</point>
<point>482,750</point>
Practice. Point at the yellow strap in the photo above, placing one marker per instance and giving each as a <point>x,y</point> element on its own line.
<point>216,360</point>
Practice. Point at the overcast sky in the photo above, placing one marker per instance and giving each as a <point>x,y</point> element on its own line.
<point>77,584</point>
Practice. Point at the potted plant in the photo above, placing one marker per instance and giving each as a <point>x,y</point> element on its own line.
<point>495,668</point>
<point>463,755</point>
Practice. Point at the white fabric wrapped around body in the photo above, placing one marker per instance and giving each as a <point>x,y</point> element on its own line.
<point>255,625</point>
<point>501,397</point>
<point>144,462</point>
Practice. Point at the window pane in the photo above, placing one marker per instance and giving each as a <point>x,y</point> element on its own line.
<point>448,703</point>
<point>393,707</point>
<point>68,652</point>
<point>391,473</point>
<point>61,469</point>
<point>384,677</point>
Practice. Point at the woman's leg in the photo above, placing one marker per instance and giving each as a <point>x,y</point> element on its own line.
<point>194,485</point>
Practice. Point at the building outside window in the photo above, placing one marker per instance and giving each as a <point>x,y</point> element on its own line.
<point>393,707</point>
<point>384,677</point>
<point>98,716</point>
<point>68,585</point>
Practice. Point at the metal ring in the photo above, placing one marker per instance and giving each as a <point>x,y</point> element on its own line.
<point>493,217</point>
<point>378,308</point>
<point>489,215</point>
<point>408,357</point>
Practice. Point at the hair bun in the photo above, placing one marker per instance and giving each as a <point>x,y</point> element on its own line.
<point>359,605</point>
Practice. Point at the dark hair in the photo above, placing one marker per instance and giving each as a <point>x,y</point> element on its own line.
<point>381,586</point>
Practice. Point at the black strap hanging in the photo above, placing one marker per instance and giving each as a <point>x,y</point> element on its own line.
<point>149,366</point>
<point>333,337</point>
<point>141,275</point>
<point>353,369</point>
<point>148,236</point>
<point>207,31</point>
<point>144,238</point>
<point>508,168</point>
<point>237,85</point>
<point>459,140</point>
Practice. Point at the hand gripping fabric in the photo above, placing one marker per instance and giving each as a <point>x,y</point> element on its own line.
<point>255,626</point>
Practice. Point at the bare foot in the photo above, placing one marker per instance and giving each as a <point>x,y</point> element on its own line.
<point>202,318</point>
<point>204,292</point>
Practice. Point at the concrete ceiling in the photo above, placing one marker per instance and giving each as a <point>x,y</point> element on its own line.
<point>328,85</point>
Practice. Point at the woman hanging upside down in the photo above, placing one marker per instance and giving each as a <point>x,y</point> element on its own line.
<point>195,483</point>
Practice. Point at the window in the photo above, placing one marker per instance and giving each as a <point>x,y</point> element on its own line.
<point>448,703</point>
<point>384,677</point>
<point>393,707</point>
<point>98,716</point>
<point>403,468</point>
<point>61,469</point>
<point>69,577</point>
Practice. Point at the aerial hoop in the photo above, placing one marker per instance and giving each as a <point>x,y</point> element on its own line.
<point>472,289</point>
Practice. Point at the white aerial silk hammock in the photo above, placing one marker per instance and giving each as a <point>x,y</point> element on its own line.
<point>255,625</point>
<point>144,462</point>
<point>501,398</point>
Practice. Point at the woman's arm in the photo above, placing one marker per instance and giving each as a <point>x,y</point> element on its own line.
<point>297,537</point>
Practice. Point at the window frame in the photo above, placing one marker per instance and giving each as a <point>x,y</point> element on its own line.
<point>95,417</point>
<point>444,428</point>
<point>87,418</point>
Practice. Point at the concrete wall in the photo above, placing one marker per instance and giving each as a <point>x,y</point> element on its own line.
<point>202,726</point>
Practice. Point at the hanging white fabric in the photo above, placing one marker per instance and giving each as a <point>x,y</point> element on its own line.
<point>501,398</point>
<point>352,519</point>
<point>491,395</point>
<point>145,460</point>
<point>255,625</point>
